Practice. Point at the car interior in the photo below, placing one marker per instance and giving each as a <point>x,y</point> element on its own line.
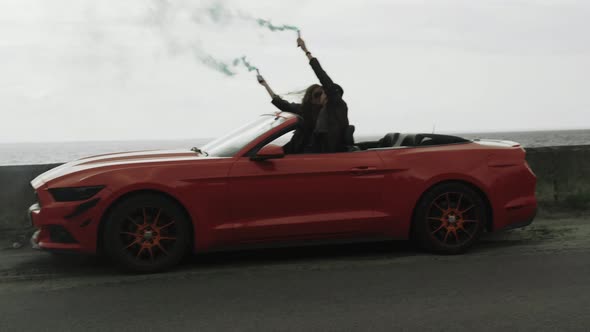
<point>392,140</point>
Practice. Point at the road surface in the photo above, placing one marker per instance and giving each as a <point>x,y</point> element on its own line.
<point>535,279</point>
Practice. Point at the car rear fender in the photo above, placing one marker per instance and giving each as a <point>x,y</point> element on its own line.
<point>507,157</point>
<point>513,187</point>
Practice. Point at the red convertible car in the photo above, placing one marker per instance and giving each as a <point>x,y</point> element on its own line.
<point>147,209</point>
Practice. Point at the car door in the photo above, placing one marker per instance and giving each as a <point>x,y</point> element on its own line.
<point>305,196</point>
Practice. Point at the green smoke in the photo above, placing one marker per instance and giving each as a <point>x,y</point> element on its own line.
<point>222,66</point>
<point>218,13</point>
<point>166,13</point>
<point>213,63</point>
<point>245,63</point>
<point>272,27</point>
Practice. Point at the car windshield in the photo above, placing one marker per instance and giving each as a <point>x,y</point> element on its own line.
<point>230,144</point>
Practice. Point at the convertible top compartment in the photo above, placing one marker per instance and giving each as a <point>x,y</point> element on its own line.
<point>398,139</point>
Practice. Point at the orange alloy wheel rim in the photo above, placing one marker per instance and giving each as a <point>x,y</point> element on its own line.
<point>452,219</point>
<point>148,234</point>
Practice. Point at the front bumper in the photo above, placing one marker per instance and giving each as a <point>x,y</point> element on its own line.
<point>66,226</point>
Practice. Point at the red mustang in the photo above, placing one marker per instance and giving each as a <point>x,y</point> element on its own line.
<point>146,210</point>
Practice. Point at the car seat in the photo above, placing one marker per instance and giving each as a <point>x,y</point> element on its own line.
<point>349,139</point>
<point>388,140</point>
<point>408,140</point>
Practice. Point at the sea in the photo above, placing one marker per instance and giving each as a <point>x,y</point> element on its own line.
<point>31,153</point>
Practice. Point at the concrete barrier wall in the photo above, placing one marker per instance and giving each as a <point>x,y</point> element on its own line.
<point>563,176</point>
<point>563,182</point>
<point>16,195</point>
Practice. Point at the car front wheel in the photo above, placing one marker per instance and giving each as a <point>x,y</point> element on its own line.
<point>147,233</point>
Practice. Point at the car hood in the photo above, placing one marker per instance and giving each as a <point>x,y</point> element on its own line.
<point>114,159</point>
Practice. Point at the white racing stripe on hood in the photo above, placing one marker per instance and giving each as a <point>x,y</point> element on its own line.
<point>113,159</point>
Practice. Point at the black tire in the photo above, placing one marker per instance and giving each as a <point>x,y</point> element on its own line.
<point>449,218</point>
<point>147,233</point>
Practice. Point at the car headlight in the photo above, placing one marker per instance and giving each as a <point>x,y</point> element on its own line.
<point>71,194</point>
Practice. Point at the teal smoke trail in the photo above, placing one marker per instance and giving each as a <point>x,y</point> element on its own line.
<point>165,14</point>
<point>213,63</point>
<point>250,67</point>
<point>219,13</point>
<point>246,64</point>
<point>272,27</point>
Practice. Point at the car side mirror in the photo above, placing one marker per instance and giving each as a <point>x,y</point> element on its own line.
<point>270,151</point>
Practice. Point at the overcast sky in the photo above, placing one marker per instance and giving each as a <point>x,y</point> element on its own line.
<point>117,70</point>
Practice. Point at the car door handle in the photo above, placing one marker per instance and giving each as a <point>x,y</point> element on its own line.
<point>362,170</point>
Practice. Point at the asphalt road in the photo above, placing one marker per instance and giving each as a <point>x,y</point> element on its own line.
<point>532,279</point>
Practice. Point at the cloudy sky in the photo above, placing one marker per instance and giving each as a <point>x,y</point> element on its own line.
<point>116,70</point>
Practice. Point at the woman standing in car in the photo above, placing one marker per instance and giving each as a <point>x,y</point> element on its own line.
<point>308,109</point>
<point>324,112</point>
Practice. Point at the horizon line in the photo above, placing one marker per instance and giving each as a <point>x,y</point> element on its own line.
<point>211,138</point>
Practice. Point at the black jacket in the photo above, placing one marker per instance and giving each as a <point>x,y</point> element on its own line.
<point>303,138</point>
<point>323,131</point>
<point>332,123</point>
<point>303,134</point>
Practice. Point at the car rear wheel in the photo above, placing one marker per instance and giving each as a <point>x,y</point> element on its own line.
<point>147,233</point>
<point>449,218</point>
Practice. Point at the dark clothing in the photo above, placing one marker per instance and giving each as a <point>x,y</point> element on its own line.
<point>323,130</point>
<point>301,142</point>
<point>286,106</point>
<point>332,123</point>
